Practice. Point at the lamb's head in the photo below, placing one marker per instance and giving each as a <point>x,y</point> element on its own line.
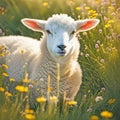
<point>60,31</point>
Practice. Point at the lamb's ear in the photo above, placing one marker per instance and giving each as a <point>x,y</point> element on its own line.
<point>34,24</point>
<point>87,24</point>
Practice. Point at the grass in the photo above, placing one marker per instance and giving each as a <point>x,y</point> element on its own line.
<point>99,96</point>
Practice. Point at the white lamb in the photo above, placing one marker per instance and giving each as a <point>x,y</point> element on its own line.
<point>59,44</point>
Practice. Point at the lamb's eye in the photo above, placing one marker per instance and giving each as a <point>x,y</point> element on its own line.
<point>48,31</point>
<point>72,33</point>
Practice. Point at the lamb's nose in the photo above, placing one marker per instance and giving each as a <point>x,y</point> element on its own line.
<point>62,47</point>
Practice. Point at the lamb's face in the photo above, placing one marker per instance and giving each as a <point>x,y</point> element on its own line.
<point>60,37</point>
<point>60,31</point>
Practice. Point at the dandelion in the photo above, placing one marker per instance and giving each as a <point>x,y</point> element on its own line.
<point>5,74</point>
<point>2,54</point>
<point>54,98</point>
<point>87,8</point>
<point>92,13</point>
<point>106,114</point>
<point>111,8</point>
<point>71,103</point>
<point>21,88</point>
<point>110,21</point>
<point>50,89</point>
<point>29,111</point>
<point>22,51</point>
<point>2,89</point>
<point>8,94</point>
<point>78,8</point>
<point>107,25</point>
<point>45,4</point>
<point>30,117</point>
<point>94,117</point>
<point>111,101</point>
<point>41,99</point>
<point>5,66</point>
<point>98,98</point>
<point>12,80</point>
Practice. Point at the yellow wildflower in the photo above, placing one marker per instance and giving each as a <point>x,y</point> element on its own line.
<point>12,79</point>
<point>5,74</point>
<point>8,94</point>
<point>30,117</point>
<point>45,4</point>
<point>41,99</point>
<point>21,88</point>
<point>2,89</point>
<point>29,111</point>
<point>97,1</point>
<point>111,101</point>
<point>26,80</point>
<point>107,25</point>
<point>78,8</point>
<point>106,114</point>
<point>50,89</point>
<point>94,117</point>
<point>72,103</point>
<point>111,8</point>
<point>92,13</point>
<point>22,51</point>
<point>54,98</point>
<point>5,66</point>
<point>87,8</point>
<point>2,54</point>
<point>110,21</point>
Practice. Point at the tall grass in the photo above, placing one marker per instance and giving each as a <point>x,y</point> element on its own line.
<point>99,96</point>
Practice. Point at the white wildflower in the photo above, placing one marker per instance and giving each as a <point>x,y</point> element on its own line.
<point>98,98</point>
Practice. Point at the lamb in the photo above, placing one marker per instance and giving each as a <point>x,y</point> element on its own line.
<point>59,45</point>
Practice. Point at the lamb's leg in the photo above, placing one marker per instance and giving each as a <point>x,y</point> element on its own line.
<point>75,82</point>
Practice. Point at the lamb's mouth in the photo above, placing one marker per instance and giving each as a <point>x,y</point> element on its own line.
<point>62,53</point>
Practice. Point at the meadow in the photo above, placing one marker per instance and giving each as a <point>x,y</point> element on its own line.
<point>99,95</point>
